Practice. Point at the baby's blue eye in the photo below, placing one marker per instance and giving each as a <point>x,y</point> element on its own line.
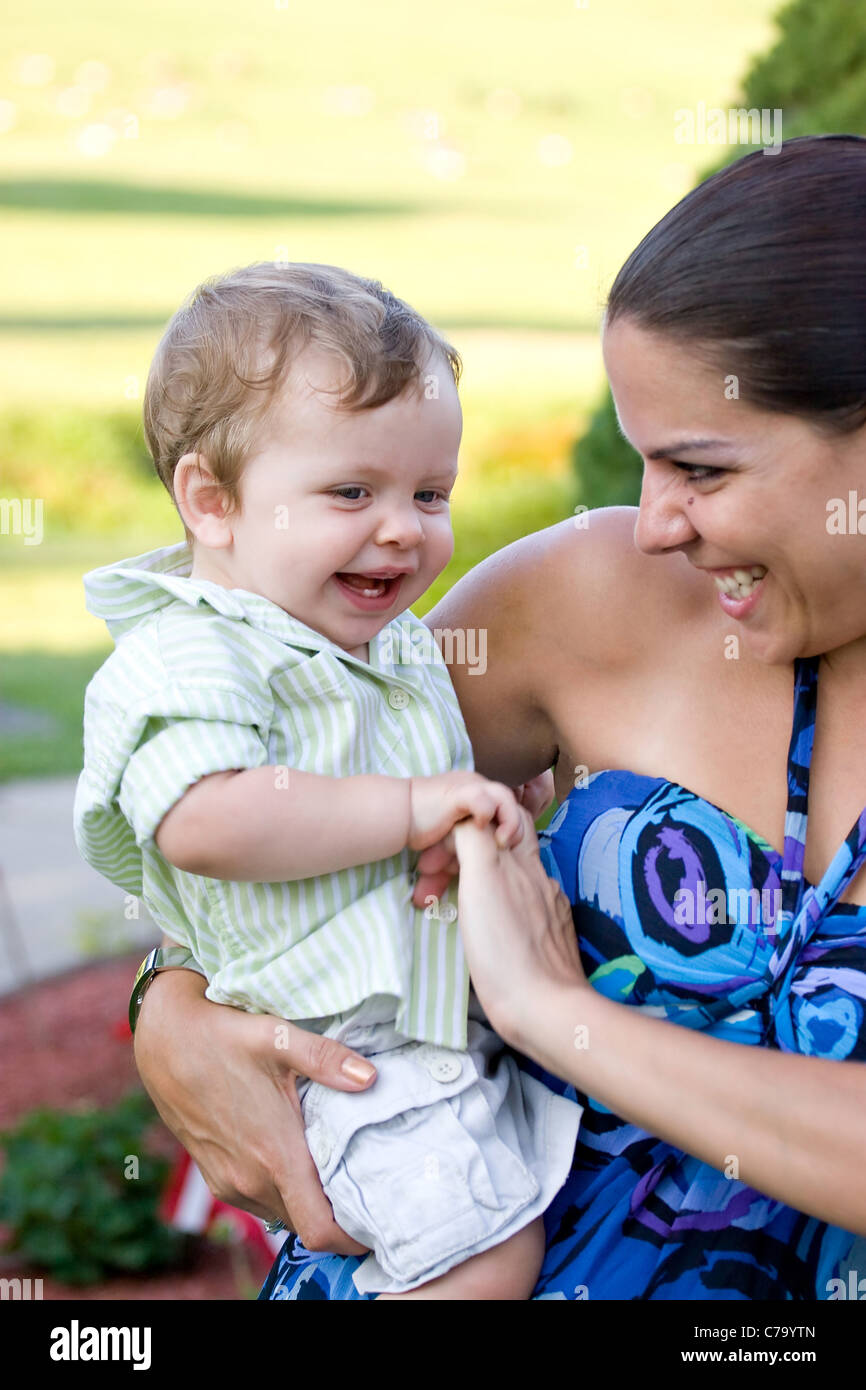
<point>344,491</point>
<point>428,494</point>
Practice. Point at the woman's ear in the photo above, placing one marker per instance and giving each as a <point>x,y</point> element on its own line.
<point>202,502</point>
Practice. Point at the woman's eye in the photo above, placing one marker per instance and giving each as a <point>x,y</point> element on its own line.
<point>698,472</point>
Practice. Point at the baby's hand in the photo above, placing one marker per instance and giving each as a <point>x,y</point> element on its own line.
<point>438,803</point>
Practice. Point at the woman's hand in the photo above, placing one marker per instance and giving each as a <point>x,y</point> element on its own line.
<point>537,794</point>
<point>224,1083</point>
<point>517,928</point>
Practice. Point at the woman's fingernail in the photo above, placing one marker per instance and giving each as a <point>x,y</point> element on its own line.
<point>356,1070</point>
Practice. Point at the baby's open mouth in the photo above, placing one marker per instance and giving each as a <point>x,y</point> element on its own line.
<point>370,585</point>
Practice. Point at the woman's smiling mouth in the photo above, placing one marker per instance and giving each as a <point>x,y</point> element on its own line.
<point>739,582</point>
<point>740,588</point>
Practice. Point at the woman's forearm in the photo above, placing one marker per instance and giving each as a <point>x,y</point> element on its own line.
<point>179,990</point>
<point>790,1126</point>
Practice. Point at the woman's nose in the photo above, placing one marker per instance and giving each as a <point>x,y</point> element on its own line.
<point>663,522</point>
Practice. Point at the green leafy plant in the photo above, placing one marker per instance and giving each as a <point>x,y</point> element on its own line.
<point>607,467</point>
<point>80,1192</point>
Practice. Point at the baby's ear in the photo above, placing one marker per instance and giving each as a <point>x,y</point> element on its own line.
<point>203,503</point>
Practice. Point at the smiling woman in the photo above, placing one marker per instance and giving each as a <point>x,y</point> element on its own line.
<point>768,479</point>
<point>740,309</point>
<point>721,1142</point>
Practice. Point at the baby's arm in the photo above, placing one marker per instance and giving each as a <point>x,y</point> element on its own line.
<point>269,824</point>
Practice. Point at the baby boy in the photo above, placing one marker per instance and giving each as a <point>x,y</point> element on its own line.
<point>266,754</point>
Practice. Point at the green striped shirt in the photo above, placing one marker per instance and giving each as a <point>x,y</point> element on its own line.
<point>206,679</point>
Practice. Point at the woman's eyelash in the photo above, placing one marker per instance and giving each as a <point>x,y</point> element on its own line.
<point>698,472</point>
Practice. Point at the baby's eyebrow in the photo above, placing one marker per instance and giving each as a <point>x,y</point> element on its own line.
<point>356,469</point>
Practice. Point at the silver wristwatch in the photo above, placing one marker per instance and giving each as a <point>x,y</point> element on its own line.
<point>161,958</point>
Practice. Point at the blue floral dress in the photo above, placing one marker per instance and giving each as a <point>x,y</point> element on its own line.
<point>687,914</point>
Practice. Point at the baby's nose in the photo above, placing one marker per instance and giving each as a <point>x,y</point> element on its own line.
<point>401,526</point>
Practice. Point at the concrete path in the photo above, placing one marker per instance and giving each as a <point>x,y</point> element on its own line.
<point>55,911</point>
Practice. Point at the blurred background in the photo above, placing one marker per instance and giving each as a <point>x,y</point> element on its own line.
<point>493,163</point>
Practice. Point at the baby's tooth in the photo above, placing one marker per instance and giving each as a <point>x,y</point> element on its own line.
<point>721,584</point>
<point>742,576</point>
<point>758,571</point>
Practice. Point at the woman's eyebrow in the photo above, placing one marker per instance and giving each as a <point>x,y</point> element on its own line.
<point>685,446</point>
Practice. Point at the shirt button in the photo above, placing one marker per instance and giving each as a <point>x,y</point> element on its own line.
<point>320,1148</point>
<point>398,699</point>
<point>444,1067</point>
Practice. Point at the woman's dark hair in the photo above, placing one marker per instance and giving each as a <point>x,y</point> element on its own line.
<point>761,270</point>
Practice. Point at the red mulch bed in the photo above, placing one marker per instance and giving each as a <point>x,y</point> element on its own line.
<point>65,1043</point>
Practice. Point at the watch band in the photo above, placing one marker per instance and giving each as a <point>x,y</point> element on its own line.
<point>160,958</point>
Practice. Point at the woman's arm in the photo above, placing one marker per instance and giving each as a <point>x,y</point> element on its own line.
<point>790,1126</point>
<point>795,1125</point>
<point>227,1091</point>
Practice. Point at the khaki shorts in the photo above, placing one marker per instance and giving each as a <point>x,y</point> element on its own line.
<point>447,1154</point>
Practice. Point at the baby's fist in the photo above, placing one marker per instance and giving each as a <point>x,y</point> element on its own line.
<point>438,803</point>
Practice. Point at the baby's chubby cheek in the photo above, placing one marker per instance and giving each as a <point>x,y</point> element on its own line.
<point>439,549</point>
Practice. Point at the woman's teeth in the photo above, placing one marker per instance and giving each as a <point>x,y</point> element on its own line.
<point>741,583</point>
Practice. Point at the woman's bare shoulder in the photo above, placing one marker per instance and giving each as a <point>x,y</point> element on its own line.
<point>583,579</point>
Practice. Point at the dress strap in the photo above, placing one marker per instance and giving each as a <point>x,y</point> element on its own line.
<point>803,909</point>
<point>811,904</point>
<point>799,766</point>
<point>845,864</point>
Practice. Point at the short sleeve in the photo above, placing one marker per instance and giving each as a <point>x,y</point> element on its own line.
<point>142,754</point>
<point>175,754</point>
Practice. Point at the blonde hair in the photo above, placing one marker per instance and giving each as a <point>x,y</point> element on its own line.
<point>208,390</point>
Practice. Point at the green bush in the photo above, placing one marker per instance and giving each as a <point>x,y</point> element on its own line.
<point>608,468</point>
<point>80,1193</point>
<point>815,74</point>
